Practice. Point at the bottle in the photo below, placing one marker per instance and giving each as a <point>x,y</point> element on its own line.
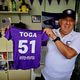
<point>5,5</point>
<point>9,5</point>
<point>13,5</point>
<point>1,6</point>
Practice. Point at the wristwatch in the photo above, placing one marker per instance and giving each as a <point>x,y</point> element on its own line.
<point>57,38</point>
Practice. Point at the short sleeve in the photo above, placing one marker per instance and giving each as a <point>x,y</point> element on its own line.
<point>8,34</point>
<point>76,45</point>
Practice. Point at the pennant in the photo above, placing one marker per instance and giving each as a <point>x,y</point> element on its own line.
<point>67,1</point>
<point>31,1</point>
<point>49,2</point>
<point>40,2</point>
<point>58,1</point>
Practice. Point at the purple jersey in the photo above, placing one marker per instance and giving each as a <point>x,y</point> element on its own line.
<point>26,47</point>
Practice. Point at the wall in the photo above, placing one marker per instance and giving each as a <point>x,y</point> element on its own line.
<point>55,7</point>
<point>37,9</point>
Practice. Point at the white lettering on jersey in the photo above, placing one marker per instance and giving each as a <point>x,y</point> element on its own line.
<point>26,34</point>
<point>27,57</point>
<point>23,47</point>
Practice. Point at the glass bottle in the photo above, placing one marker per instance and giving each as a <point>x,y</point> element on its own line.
<point>9,5</point>
<point>13,5</point>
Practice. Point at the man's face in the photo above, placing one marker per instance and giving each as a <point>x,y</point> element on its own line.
<point>67,25</point>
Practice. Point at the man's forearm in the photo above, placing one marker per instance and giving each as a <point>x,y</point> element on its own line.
<point>67,51</point>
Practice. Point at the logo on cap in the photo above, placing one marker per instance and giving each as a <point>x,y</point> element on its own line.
<point>69,12</point>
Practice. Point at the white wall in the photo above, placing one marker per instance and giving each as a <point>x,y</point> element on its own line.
<point>55,7</point>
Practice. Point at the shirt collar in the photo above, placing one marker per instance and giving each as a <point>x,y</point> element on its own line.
<point>58,33</point>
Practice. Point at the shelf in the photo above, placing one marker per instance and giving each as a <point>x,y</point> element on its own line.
<point>13,12</point>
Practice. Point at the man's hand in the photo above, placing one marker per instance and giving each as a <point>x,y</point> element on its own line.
<point>50,33</point>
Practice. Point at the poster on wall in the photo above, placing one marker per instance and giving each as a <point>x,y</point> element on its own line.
<point>36,18</point>
<point>50,20</point>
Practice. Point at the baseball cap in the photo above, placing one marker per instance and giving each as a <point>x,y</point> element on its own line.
<point>69,13</point>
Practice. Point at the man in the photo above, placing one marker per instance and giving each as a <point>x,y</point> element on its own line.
<point>63,47</point>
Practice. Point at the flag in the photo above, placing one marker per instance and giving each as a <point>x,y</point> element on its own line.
<point>67,1</point>
<point>58,1</point>
<point>40,2</point>
<point>50,20</point>
<point>31,1</point>
<point>49,2</point>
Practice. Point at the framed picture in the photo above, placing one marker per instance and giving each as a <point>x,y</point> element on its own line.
<point>36,18</point>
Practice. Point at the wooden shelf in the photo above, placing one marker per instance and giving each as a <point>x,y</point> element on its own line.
<point>13,12</point>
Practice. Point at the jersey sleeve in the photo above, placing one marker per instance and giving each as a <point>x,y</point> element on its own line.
<point>8,34</point>
<point>44,39</point>
<point>44,36</point>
